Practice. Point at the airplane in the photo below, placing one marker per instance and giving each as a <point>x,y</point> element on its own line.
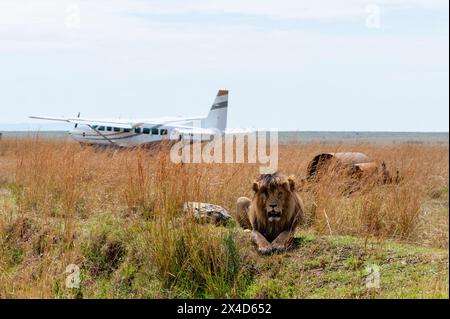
<point>132,133</point>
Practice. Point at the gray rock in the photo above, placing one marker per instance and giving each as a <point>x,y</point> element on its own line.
<point>206,212</point>
<point>4,192</point>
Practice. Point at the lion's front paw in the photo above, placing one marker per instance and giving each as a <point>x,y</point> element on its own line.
<point>278,247</point>
<point>265,250</point>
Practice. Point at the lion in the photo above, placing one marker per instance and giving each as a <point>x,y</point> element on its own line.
<point>273,214</point>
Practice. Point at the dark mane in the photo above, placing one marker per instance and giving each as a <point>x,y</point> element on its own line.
<point>270,181</point>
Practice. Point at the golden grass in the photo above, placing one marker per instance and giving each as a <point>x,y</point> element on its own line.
<point>59,197</point>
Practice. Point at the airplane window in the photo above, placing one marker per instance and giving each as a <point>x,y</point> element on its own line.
<point>127,130</point>
<point>146,130</point>
<point>163,132</point>
<point>155,131</point>
<point>137,130</point>
<point>109,129</point>
<point>101,128</point>
<point>116,129</point>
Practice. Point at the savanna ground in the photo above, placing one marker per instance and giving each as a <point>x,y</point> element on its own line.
<point>118,216</point>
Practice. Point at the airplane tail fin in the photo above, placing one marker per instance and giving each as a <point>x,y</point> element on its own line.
<point>217,117</point>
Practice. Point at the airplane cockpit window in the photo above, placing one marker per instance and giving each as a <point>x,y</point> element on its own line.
<point>146,130</point>
<point>94,127</point>
<point>155,131</point>
<point>164,132</point>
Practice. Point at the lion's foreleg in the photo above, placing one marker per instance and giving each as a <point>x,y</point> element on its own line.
<point>242,208</point>
<point>280,243</point>
<point>264,247</point>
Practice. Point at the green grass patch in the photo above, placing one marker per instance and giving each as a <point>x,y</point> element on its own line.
<point>339,267</point>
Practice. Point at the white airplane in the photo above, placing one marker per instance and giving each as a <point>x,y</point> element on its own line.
<point>131,133</point>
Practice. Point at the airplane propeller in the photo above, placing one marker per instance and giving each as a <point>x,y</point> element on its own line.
<point>78,116</point>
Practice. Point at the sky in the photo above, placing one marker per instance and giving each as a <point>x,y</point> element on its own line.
<point>309,65</point>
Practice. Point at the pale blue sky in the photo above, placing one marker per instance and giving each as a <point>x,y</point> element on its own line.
<point>289,64</point>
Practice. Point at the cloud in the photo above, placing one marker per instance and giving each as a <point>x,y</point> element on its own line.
<point>123,47</point>
<point>51,13</point>
<point>71,24</point>
<point>110,27</point>
<point>280,9</point>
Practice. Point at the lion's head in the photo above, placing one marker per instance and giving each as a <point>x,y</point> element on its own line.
<point>275,197</point>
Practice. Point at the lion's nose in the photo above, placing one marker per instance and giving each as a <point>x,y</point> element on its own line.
<point>273,205</point>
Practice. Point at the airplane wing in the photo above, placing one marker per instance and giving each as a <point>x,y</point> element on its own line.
<point>115,123</point>
<point>165,120</point>
<point>91,122</point>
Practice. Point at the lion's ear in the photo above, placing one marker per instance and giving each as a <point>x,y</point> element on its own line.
<point>291,183</point>
<point>255,187</point>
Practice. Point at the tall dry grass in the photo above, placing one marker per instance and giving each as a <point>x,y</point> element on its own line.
<point>119,212</point>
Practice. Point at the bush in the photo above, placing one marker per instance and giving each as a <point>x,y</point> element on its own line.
<point>199,261</point>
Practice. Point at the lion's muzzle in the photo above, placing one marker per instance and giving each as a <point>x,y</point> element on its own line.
<point>274,216</point>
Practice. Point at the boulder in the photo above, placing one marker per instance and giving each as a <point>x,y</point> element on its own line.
<point>206,212</point>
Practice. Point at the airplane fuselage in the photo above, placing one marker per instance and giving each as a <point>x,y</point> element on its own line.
<point>113,136</point>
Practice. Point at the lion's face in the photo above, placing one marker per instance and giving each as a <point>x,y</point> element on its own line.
<point>274,201</point>
<point>274,197</point>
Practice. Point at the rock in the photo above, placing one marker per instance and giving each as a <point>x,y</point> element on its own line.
<point>208,212</point>
<point>5,192</point>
